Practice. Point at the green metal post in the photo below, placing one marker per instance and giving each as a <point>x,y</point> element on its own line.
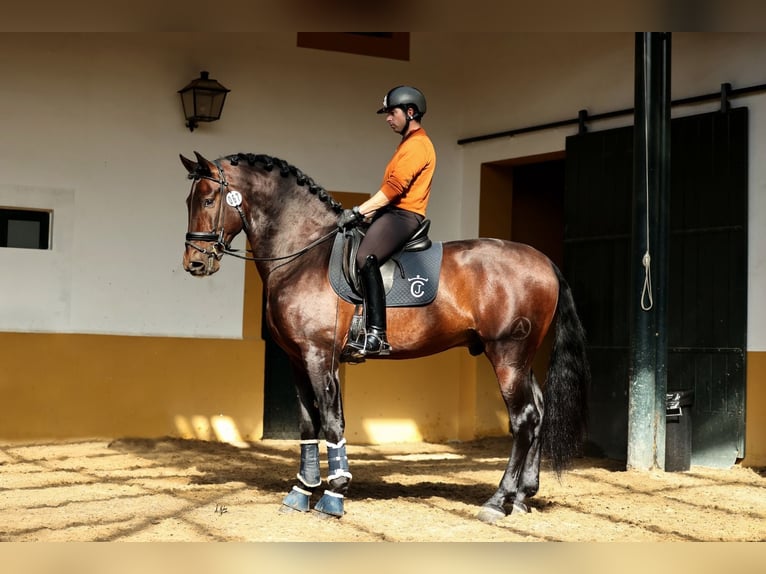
<point>651,182</point>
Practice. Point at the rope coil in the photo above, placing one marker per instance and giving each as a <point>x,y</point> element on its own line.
<point>646,291</point>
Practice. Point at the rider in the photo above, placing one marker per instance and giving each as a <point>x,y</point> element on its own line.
<point>397,209</point>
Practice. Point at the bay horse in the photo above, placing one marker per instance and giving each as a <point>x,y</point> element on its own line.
<point>494,297</point>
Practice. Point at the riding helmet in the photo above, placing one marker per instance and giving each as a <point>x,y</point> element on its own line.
<point>403,96</point>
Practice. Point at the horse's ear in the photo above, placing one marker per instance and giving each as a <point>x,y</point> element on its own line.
<point>203,165</point>
<point>190,166</point>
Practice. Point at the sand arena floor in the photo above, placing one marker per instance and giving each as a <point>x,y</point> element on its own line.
<point>166,489</point>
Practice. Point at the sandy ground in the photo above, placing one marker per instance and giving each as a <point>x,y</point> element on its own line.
<point>183,490</point>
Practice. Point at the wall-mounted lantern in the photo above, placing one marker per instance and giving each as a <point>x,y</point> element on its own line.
<point>202,100</point>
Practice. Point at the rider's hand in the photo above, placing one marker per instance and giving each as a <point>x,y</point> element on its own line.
<point>350,218</point>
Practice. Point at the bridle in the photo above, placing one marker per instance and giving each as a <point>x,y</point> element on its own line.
<point>221,247</point>
<point>216,236</point>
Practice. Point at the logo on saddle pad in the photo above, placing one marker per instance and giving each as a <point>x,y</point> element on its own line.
<point>417,286</point>
<point>410,278</point>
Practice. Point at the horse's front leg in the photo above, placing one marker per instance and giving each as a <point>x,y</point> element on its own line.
<point>321,407</point>
<point>308,477</point>
<point>338,479</point>
<point>323,373</point>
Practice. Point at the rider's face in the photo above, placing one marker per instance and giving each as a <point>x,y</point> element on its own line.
<point>396,119</point>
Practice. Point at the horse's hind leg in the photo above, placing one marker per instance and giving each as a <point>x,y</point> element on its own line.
<point>529,480</point>
<point>523,398</point>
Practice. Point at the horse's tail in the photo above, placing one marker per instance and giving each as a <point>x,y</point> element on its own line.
<point>565,392</point>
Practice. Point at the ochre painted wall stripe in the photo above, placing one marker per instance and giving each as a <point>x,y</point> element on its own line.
<point>67,385</point>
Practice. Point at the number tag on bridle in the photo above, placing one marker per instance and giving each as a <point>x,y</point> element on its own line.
<point>234,198</point>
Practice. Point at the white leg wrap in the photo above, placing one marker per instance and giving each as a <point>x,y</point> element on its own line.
<point>337,460</point>
<point>333,494</point>
<point>298,489</point>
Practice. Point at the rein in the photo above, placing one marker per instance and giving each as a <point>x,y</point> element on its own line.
<point>302,251</point>
<point>221,247</point>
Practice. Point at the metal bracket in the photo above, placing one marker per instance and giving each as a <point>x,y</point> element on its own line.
<point>725,93</point>
<point>582,117</point>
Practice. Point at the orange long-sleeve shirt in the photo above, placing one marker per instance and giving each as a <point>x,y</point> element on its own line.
<point>407,179</point>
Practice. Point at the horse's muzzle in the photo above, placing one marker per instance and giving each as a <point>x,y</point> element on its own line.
<point>201,264</point>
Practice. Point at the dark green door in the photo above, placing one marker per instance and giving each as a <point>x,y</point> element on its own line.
<point>707,304</point>
<point>597,215</point>
<point>707,300</point>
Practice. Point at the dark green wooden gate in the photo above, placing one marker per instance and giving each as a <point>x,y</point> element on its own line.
<point>707,300</point>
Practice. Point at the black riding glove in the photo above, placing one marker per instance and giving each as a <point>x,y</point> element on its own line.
<point>350,218</point>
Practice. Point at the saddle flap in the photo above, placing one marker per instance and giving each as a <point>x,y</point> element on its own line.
<point>351,240</point>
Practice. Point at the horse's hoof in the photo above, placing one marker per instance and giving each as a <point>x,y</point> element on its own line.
<point>290,510</point>
<point>331,504</point>
<point>297,499</point>
<point>490,514</point>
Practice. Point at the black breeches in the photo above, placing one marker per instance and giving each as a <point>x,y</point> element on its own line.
<point>387,234</point>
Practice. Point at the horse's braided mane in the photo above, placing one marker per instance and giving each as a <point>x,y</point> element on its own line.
<point>285,169</point>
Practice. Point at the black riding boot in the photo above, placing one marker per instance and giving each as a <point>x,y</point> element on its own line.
<point>375,342</point>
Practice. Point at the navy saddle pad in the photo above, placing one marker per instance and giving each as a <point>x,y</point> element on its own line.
<point>411,282</point>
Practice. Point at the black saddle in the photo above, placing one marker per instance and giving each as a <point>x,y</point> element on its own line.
<point>410,277</point>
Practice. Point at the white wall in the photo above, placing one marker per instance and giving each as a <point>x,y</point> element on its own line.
<point>98,116</point>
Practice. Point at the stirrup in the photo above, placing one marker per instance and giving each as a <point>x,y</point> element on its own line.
<point>373,344</point>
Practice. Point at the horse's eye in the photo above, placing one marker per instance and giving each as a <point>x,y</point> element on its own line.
<point>208,202</point>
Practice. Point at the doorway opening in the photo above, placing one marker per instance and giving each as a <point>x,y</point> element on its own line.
<point>522,199</point>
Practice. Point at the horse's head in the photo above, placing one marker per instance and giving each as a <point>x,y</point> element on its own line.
<point>283,211</point>
<point>213,217</point>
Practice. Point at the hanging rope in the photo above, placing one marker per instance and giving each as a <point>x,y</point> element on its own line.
<point>647,298</point>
